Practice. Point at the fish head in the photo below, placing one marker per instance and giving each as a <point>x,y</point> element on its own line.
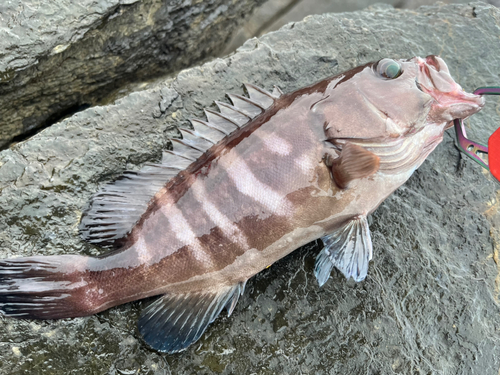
<point>395,98</point>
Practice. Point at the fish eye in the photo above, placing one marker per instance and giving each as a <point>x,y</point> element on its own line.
<point>389,68</point>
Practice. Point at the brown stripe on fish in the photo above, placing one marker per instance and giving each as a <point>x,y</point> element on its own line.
<point>250,161</point>
<point>176,233</point>
<point>263,232</point>
<point>224,249</point>
<point>195,227</point>
<point>183,230</point>
<point>225,225</point>
<point>249,184</point>
<point>274,143</point>
<point>226,197</point>
<point>186,222</point>
<point>178,267</point>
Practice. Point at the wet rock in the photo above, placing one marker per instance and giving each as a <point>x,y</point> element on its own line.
<point>59,56</point>
<point>430,303</point>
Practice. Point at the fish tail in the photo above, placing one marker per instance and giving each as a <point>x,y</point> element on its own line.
<point>45,287</point>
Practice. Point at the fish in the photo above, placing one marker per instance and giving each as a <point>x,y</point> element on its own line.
<point>240,190</point>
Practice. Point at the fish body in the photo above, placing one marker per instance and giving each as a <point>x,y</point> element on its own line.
<point>257,181</point>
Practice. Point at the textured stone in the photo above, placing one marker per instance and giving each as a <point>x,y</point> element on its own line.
<point>430,303</point>
<point>59,56</point>
<point>274,14</point>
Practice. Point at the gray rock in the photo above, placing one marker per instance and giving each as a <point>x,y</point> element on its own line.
<point>274,14</point>
<point>430,304</point>
<point>58,56</point>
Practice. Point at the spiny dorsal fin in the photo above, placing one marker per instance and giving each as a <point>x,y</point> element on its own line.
<point>277,92</point>
<point>221,122</point>
<point>175,321</point>
<point>233,113</point>
<point>194,140</point>
<point>184,149</point>
<point>114,210</point>
<point>172,158</point>
<point>260,96</point>
<point>246,105</point>
<point>207,131</point>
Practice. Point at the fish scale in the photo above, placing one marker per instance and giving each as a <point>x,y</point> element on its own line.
<point>242,189</point>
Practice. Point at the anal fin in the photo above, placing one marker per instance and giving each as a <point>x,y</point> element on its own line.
<point>349,249</point>
<point>175,321</point>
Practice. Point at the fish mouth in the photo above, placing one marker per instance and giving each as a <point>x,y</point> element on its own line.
<point>450,100</point>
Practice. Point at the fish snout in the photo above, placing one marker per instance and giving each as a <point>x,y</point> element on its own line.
<point>464,105</point>
<point>450,100</point>
<point>456,105</point>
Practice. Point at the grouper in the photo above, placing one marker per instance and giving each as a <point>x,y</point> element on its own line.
<point>240,190</point>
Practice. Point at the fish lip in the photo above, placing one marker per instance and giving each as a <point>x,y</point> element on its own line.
<point>450,100</point>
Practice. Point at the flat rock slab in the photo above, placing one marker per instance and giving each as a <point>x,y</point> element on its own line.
<point>430,302</point>
<point>57,56</point>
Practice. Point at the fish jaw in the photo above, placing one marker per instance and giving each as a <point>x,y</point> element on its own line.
<point>450,100</point>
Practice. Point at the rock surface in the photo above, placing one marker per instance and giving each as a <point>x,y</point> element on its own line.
<point>58,56</point>
<point>430,303</point>
<point>274,14</point>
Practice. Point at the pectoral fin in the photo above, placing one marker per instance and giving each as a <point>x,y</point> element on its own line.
<point>349,249</point>
<point>354,162</point>
<point>175,321</point>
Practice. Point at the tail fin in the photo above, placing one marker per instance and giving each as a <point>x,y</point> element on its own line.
<point>44,287</point>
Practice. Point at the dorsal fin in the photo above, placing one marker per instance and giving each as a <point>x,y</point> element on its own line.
<point>246,105</point>
<point>259,95</point>
<point>233,113</point>
<point>208,131</point>
<point>184,149</point>
<point>221,122</point>
<point>277,92</point>
<point>194,140</point>
<point>113,211</point>
<point>194,134</point>
<point>173,159</point>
